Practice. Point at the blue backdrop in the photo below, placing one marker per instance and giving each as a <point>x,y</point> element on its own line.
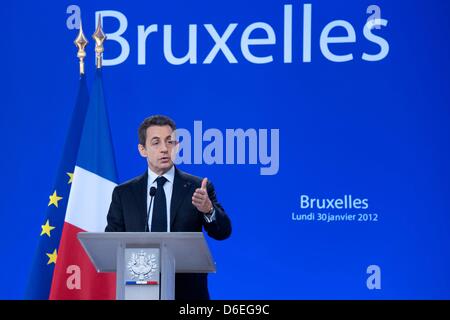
<point>368,140</point>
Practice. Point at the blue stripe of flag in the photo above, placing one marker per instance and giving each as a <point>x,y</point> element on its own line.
<point>96,152</point>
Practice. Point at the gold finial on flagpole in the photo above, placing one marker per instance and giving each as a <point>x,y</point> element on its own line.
<point>81,43</point>
<point>99,38</point>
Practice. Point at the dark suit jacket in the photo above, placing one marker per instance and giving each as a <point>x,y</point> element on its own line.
<point>128,213</point>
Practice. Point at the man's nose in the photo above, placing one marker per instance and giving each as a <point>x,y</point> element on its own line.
<point>164,147</point>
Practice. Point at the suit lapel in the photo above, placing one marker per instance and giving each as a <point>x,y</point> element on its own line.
<point>141,197</point>
<point>179,192</point>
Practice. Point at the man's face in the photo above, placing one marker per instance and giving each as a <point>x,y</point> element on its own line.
<point>159,149</point>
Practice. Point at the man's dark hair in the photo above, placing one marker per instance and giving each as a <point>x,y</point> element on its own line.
<point>157,120</point>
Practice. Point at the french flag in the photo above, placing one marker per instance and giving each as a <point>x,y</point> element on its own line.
<point>94,179</point>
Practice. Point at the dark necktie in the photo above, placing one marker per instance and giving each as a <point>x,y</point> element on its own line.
<point>159,218</point>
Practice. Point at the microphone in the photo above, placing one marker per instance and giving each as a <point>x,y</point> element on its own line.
<point>152,194</point>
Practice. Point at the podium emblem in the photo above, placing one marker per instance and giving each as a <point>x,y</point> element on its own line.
<point>142,265</point>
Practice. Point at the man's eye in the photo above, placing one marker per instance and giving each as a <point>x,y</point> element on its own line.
<point>155,143</point>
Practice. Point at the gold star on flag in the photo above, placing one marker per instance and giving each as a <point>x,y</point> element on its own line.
<point>70,176</point>
<point>46,228</point>
<point>54,198</point>
<point>52,257</point>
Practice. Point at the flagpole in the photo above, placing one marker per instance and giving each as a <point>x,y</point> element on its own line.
<point>81,42</point>
<point>99,38</point>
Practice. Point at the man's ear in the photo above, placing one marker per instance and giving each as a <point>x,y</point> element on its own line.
<point>142,151</point>
<point>177,147</point>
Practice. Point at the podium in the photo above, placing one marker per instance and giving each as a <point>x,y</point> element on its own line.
<point>146,262</point>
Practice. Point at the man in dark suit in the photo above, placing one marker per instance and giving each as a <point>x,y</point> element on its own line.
<point>182,202</point>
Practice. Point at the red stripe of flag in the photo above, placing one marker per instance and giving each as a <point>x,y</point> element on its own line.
<point>75,277</point>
